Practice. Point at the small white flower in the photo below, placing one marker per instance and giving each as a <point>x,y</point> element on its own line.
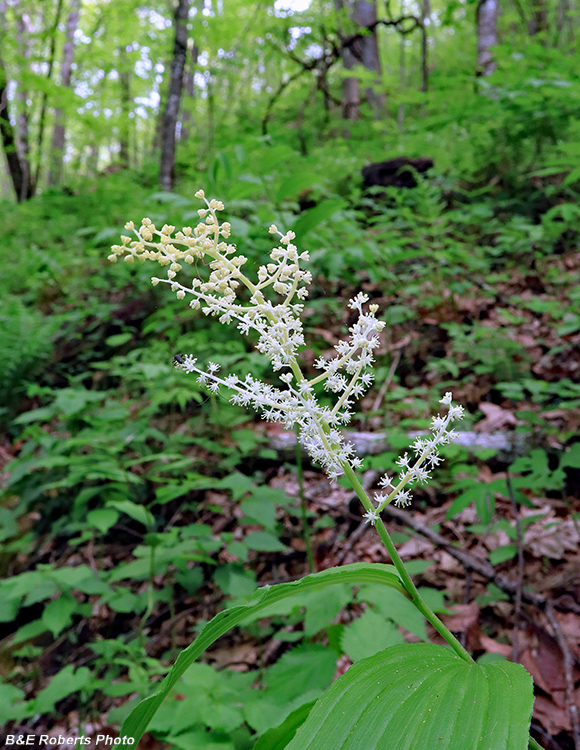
<point>403,498</point>
<point>371,517</point>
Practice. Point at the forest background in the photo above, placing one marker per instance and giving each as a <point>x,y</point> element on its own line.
<point>135,506</point>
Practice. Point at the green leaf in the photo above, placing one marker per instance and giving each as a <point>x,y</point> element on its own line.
<point>315,216</point>
<point>262,541</point>
<point>234,580</point>
<point>137,512</point>
<point>310,664</point>
<point>368,635</point>
<point>102,519</point>
<point>295,184</point>
<point>572,457</point>
<point>260,510</point>
<point>396,607</point>
<point>501,554</point>
<point>12,706</point>
<point>57,614</point>
<point>278,737</point>
<point>357,573</point>
<point>421,696</point>
<point>63,684</point>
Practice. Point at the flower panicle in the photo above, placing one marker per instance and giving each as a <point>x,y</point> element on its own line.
<point>278,326</point>
<point>426,450</point>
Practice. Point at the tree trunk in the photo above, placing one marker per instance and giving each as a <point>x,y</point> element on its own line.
<point>425,14</point>
<point>189,86</point>
<point>402,71</point>
<point>486,36</point>
<point>166,172</point>
<point>42,119</point>
<point>539,20</point>
<point>18,173</point>
<point>58,139</point>
<point>365,51</point>
<point>22,142</point>
<point>126,100</point>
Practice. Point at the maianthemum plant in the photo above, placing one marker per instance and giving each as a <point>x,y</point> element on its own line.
<point>407,697</point>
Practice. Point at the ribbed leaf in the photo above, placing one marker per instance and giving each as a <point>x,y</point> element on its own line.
<point>357,573</point>
<point>421,696</point>
<point>279,737</point>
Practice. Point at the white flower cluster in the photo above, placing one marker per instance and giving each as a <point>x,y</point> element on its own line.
<point>427,452</point>
<point>280,336</point>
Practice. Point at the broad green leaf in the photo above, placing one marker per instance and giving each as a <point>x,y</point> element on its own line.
<point>278,737</point>
<point>572,457</point>
<point>310,664</point>
<point>323,606</point>
<point>368,635</point>
<point>66,682</point>
<point>102,519</point>
<point>315,216</point>
<point>501,554</point>
<point>357,573</point>
<point>421,696</point>
<point>136,512</point>
<point>57,614</point>
<point>11,703</point>
<point>234,580</point>
<point>260,510</point>
<point>396,607</point>
<point>262,541</point>
<point>295,184</point>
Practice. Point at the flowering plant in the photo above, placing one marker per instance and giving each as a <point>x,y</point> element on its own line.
<point>270,309</point>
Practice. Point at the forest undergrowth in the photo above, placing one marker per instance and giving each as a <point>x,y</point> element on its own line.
<point>135,507</point>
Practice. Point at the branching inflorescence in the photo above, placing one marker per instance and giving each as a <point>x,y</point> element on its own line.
<point>280,336</point>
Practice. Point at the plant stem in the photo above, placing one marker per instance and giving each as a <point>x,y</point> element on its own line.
<point>406,580</point>
<point>533,745</point>
<point>305,527</point>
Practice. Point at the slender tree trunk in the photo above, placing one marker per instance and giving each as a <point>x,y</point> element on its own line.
<point>22,138</point>
<point>402,71</point>
<point>169,122</point>
<point>365,51</point>
<point>486,36</point>
<point>425,14</point>
<point>42,119</point>
<point>539,20</point>
<point>18,172</point>
<point>189,86</point>
<point>126,101</point>
<point>58,134</point>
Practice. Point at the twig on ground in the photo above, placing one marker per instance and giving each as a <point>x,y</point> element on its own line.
<point>571,707</point>
<point>482,567</point>
<point>387,382</point>
<point>520,577</point>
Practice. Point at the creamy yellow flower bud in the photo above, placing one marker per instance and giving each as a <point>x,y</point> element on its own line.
<point>155,280</point>
<point>180,294</point>
<point>200,194</point>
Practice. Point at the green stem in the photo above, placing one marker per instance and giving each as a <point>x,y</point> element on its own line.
<point>406,580</point>
<point>305,528</point>
<point>150,601</point>
<point>533,745</point>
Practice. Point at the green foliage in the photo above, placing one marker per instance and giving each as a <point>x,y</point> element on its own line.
<point>26,343</point>
<point>418,695</point>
